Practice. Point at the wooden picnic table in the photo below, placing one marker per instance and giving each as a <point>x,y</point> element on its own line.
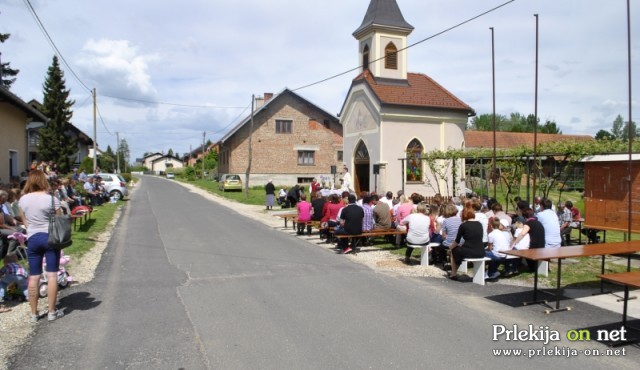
<point>626,279</point>
<point>546,254</point>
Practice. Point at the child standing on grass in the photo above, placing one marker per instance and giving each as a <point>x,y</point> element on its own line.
<point>12,272</point>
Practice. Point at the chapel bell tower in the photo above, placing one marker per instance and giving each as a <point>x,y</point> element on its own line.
<point>382,40</point>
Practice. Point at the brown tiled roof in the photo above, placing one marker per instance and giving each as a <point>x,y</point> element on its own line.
<point>419,90</point>
<point>505,140</point>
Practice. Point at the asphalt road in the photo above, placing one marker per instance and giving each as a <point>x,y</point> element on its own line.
<point>187,283</point>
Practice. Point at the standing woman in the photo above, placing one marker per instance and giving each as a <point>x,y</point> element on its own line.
<point>270,190</point>
<point>36,207</point>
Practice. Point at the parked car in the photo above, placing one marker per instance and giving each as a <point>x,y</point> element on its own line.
<point>115,185</point>
<point>171,175</point>
<point>230,182</point>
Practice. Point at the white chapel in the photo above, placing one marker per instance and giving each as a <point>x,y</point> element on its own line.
<point>391,116</point>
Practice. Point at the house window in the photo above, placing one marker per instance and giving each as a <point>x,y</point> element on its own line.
<point>365,58</point>
<point>283,126</point>
<point>306,157</point>
<point>340,156</point>
<point>414,161</point>
<point>390,56</point>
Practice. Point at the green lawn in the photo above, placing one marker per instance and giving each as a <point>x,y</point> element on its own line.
<point>84,237</point>
<point>256,194</point>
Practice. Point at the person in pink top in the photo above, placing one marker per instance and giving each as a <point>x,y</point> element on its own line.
<point>304,213</point>
<point>330,215</point>
<point>404,210</point>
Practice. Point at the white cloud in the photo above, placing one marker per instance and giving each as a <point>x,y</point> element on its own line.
<point>118,68</point>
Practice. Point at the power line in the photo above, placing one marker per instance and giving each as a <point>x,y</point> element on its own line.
<point>409,46</point>
<point>168,103</point>
<point>53,45</point>
<point>102,120</point>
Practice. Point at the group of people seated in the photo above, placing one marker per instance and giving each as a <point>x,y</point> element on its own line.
<point>465,228</point>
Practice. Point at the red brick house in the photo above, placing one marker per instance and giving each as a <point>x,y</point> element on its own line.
<point>293,141</point>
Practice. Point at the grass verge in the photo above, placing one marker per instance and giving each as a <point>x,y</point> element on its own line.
<point>84,237</point>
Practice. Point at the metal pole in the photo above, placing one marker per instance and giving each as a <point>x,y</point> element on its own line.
<point>631,128</point>
<point>95,132</point>
<point>535,116</point>
<point>118,151</point>
<point>493,74</point>
<point>246,176</point>
<point>204,133</point>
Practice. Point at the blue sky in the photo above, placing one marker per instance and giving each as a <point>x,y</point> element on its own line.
<point>211,56</point>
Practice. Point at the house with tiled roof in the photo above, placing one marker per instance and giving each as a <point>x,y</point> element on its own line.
<point>292,140</point>
<point>505,140</point>
<point>16,116</point>
<point>390,116</point>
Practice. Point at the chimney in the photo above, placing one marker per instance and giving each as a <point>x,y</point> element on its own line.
<point>259,102</point>
<point>267,97</point>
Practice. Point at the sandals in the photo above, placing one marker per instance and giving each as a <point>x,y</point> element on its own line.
<point>452,277</point>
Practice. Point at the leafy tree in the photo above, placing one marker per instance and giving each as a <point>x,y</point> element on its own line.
<point>616,130</point>
<point>549,127</point>
<point>211,160</point>
<point>8,75</point>
<point>620,129</point>
<point>484,122</point>
<point>106,163</point>
<point>55,144</point>
<point>124,155</point>
<point>515,123</point>
<point>625,131</point>
<point>109,151</point>
<point>604,135</point>
<point>170,153</point>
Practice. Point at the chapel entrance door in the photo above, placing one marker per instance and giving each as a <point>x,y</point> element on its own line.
<point>362,168</point>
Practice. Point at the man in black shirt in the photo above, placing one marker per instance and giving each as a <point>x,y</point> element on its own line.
<point>351,218</point>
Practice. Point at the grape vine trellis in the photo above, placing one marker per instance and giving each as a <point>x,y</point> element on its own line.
<point>513,163</point>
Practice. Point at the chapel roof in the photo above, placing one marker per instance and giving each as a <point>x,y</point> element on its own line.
<point>419,90</point>
<point>383,13</point>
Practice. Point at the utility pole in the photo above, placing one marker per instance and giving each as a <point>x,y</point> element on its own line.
<point>118,150</point>
<point>95,132</point>
<point>204,133</point>
<point>246,176</point>
<point>494,174</point>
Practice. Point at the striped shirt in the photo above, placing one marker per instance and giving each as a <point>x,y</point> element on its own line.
<point>13,269</point>
<point>450,226</point>
<point>367,221</point>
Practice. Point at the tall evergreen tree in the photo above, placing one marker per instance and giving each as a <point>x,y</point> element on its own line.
<point>7,74</point>
<point>55,143</point>
<point>124,155</point>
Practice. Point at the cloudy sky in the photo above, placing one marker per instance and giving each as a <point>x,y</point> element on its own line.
<point>207,57</point>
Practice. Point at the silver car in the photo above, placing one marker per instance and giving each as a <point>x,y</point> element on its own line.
<point>115,185</point>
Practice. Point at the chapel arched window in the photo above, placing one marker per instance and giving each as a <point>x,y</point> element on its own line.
<point>414,165</point>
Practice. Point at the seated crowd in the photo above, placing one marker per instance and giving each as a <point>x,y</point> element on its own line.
<point>464,228</point>
<point>12,225</point>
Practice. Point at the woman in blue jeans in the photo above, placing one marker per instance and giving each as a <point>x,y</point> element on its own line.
<point>37,205</point>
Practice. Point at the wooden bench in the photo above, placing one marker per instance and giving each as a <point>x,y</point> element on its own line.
<point>478,268</point>
<point>83,216</point>
<point>287,217</point>
<point>424,251</point>
<point>368,234</point>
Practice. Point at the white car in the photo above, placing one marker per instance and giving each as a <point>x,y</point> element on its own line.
<point>171,175</point>
<point>115,185</point>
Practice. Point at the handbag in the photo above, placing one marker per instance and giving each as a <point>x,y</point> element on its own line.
<point>59,230</point>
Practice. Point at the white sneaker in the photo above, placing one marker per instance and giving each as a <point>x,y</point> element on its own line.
<point>53,316</point>
<point>495,275</point>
